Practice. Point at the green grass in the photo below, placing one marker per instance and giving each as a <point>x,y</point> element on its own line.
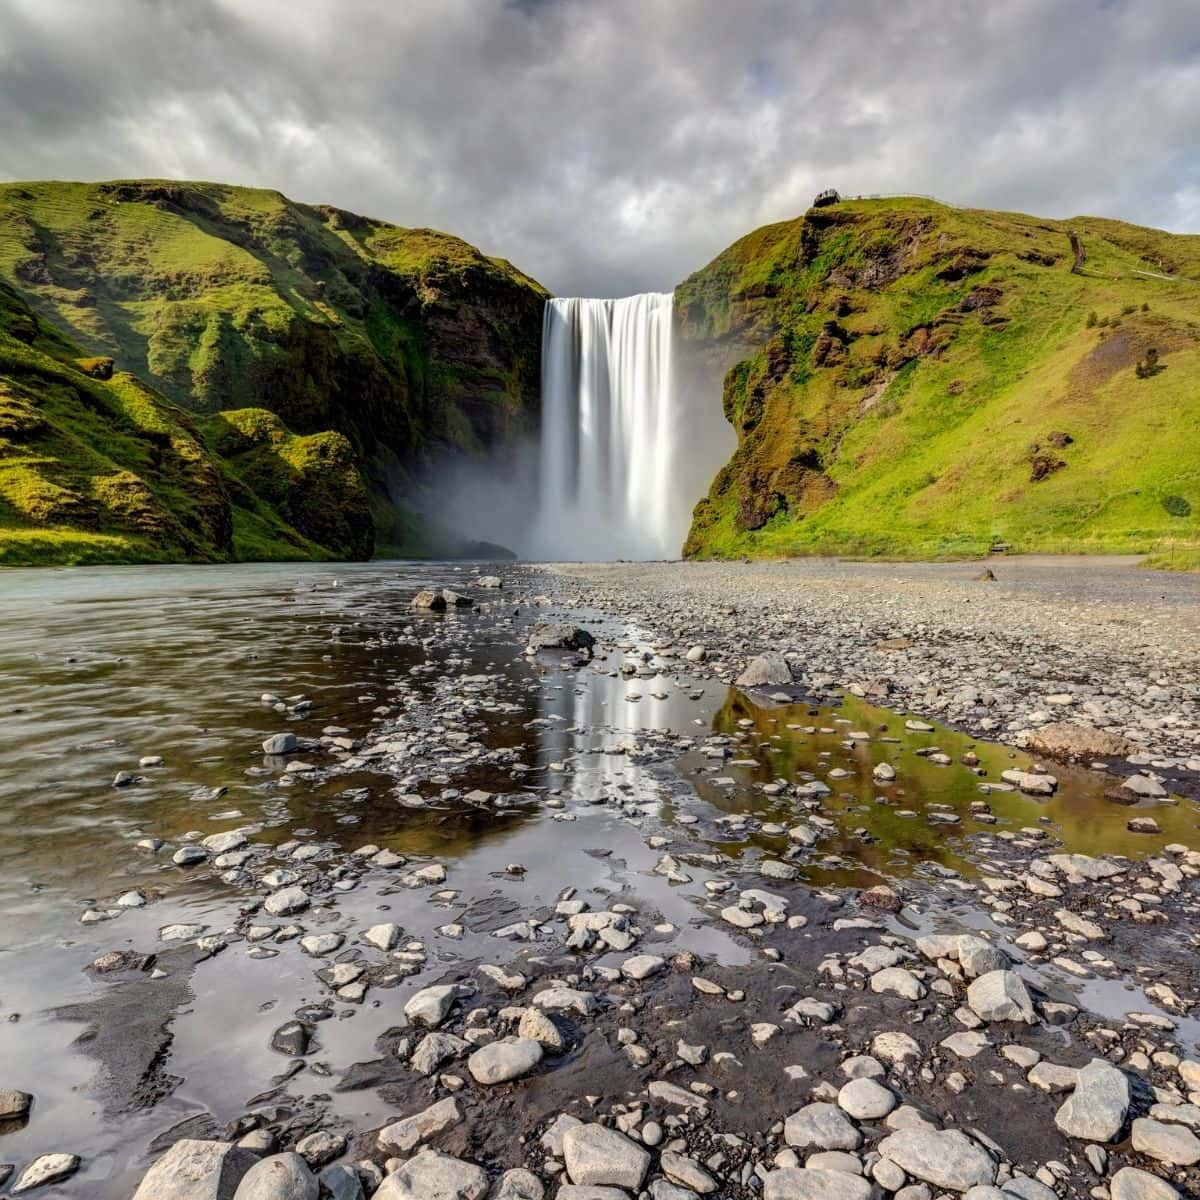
<point>388,345</point>
<point>914,438</point>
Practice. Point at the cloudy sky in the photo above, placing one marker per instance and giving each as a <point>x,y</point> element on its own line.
<point>613,146</point>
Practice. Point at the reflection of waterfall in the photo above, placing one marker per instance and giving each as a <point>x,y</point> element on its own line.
<point>612,432</point>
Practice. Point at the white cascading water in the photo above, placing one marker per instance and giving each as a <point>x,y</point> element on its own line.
<point>612,431</point>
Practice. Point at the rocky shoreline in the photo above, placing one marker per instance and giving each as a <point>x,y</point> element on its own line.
<point>700,1016</point>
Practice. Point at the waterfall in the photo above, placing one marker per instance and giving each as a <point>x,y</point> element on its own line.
<point>612,432</point>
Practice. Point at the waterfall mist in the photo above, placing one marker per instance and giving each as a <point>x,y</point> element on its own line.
<point>631,435</point>
<point>623,457</point>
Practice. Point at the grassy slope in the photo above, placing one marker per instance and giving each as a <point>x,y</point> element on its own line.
<point>224,298</point>
<point>95,466</point>
<point>898,360</point>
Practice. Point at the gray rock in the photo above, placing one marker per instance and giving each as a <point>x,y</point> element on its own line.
<point>767,670</point>
<point>519,1184</point>
<point>807,1183</point>
<point>597,1156</point>
<point>559,636</point>
<point>1000,996</point>
<point>341,1182</point>
<point>1129,1183</point>
<point>1097,1108</point>
<point>382,937</point>
<point>279,1177</point>
<point>47,1168</point>
<point>821,1126</point>
<point>1172,1144</point>
<point>14,1104</point>
<point>866,1100</point>
<point>196,1170</point>
<point>435,1049</point>
<point>404,1136</point>
<point>642,966</point>
<point>431,1006</point>
<point>687,1172</point>
<point>978,956</point>
<point>286,901</point>
<point>945,1158</point>
<point>509,1058</point>
<point>320,1147</point>
<point>280,743</point>
<point>431,1175</point>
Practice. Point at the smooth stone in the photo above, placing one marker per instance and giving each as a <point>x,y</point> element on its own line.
<point>945,1158</point>
<point>808,1183</point>
<point>1172,1144</point>
<point>866,1100</point>
<point>509,1058</point>
<point>519,1184</point>
<point>821,1126</point>
<point>279,1177</point>
<point>1130,1183</point>
<point>596,1155</point>
<point>286,901</point>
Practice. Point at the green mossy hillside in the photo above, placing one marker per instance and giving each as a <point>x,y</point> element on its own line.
<point>95,466</point>
<point>408,342</point>
<point>913,380</point>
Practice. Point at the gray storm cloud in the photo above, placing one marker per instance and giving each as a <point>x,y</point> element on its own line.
<point>614,147</point>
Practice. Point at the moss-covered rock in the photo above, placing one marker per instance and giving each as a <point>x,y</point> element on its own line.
<point>910,379</point>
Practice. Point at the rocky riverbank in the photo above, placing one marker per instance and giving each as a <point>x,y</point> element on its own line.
<point>1077,658</point>
<point>748,942</point>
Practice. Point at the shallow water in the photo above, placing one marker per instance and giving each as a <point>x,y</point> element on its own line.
<point>99,667</point>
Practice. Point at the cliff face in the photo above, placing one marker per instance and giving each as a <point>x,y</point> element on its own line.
<point>407,343</point>
<point>910,379</point>
<point>95,466</point>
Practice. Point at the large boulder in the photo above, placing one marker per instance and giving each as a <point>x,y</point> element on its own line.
<point>767,670</point>
<point>430,600</point>
<point>196,1170</point>
<point>1097,1108</point>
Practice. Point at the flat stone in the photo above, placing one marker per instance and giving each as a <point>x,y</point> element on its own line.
<point>1130,1183</point>
<point>435,1049</point>
<point>687,1173</point>
<point>945,1158</point>
<point>565,999</point>
<point>809,1183</point>
<point>596,1155</point>
<point>519,1184</point>
<point>766,670</point>
<point>14,1104</point>
<point>404,1136</point>
<point>642,966</point>
<point>509,1058</point>
<point>1097,1108</point>
<point>196,1170</point>
<point>821,1126</point>
<point>45,1169</point>
<point>1172,1144</point>
<point>431,1175</point>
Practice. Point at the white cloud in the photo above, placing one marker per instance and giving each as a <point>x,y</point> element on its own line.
<point>608,148</point>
